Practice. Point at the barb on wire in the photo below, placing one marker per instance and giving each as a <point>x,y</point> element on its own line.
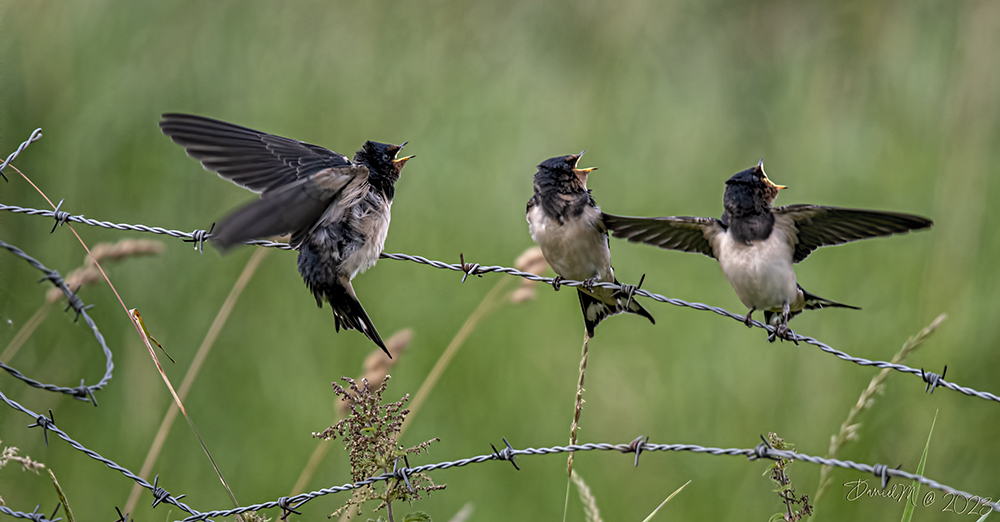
<point>35,136</point>
<point>636,447</point>
<point>479,270</point>
<point>932,379</point>
<point>197,236</point>
<point>46,423</point>
<point>761,451</point>
<point>34,516</point>
<point>82,392</point>
<point>61,216</point>
<point>160,495</point>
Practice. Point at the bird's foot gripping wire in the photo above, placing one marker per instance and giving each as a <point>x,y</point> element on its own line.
<point>781,330</point>
<point>748,320</point>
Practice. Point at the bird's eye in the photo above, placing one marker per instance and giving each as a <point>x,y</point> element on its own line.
<point>385,157</point>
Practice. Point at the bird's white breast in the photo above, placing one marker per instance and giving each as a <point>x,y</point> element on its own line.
<point>761,272</point>
<point>576,249</point>
<point>373,223</point>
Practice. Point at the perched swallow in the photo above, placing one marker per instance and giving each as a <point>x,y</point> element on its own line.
<point>336,209</point>
<point>756,244</point>
<point>566,222</point>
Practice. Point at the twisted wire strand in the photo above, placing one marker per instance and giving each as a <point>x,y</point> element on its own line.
<point>509,453</point>
<point>199,236</point>
<point>35,136</point>
<point>50,426</point>
<point>83,392</point>
<point>34,516</point>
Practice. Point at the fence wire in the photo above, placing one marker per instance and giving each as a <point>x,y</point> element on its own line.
<point>508,453</point>
<point>34,516</point>
<point>35,136</point>
<point>82,392</point>
<point>761,451</point>
<point>198,237</point>
<point>287,504</point>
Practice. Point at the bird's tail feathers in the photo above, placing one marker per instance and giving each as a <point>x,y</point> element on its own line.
<point>596,310</point>
<point>815,302</point>
<point>349,314</point>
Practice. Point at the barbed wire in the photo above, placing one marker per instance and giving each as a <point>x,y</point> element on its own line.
<point>82,392</point>
<point>35,136</point>
<point>48,424</point>
<point>198,237</point>
<point>34,516</point>
<point>288,504</point>
<point>508,453</point>
<point>762,450</point>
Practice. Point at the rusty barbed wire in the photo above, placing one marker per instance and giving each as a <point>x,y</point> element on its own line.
<point>82,392</point>
<point>199,236</point>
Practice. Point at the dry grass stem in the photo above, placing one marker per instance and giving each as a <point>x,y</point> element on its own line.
<point>578,408</point>
<point>78,278</point>
<point>25,332</point>
<point>464,513</point>
<point>193,369</point>
<point>849,429</point>
<point>672,495</point>
<point>534,262</point>
<point>485,306</point>
<point>586,498</point>
<point>89,273</point>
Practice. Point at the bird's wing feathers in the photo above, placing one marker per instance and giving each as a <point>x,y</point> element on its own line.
<point>688,234</point>
<point>293,207</point>
<point>252,159</point>
<point>818,226</point>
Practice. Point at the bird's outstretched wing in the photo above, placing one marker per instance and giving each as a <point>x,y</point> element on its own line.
<point>252,159</point>
<point>817,226</point>
<point>295,207</point>
<point>688,234</point>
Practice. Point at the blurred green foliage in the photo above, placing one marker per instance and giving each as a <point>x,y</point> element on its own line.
<point>888,105</point>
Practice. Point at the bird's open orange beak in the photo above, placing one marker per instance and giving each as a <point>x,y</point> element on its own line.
<point>771,184</point>
<point>402,161</point>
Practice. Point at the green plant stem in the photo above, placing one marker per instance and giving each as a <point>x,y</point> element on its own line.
<point>62,496</point>
<point>848,430</point>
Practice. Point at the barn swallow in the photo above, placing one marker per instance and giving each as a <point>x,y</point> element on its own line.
<point>566,222</point>
<point>336,209</point>
<point>757,244</point>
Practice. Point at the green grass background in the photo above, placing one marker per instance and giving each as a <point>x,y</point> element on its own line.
<point>890,105</point>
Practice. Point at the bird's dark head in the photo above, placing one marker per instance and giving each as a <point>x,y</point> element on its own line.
<point>750,191</point>
<point>561,171</point>
<point>383,163</point>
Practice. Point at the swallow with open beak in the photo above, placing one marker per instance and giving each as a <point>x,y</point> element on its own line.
<point>336,209</point>
<point>567,224</point>
<point>757,244</point>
